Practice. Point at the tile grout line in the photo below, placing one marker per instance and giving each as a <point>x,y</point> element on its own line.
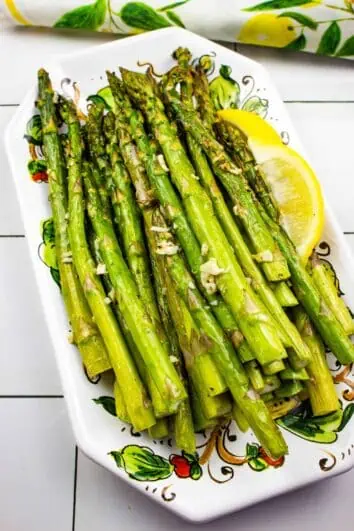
<point>74,490</point>
<point>318,101</point>
<point>31,396</point>
<point>12,236</point>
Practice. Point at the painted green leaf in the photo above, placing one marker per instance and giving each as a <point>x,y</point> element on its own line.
<point>224,91</point>
<point>347,415</point>
<point>252,450</point>
<point>256,105</point>
<point>106,95</point>
<point>258,464</point>
<point>277,4</point>
<point>196,471</point>
<point>330,40</point>
<point>207,64</point>
<point>304,20</point>
<point>175,19</point>
<point>191,458</point>
<point>316,429</point>
<point>172,6</point>
<point>34,130</point>
<point>48,233</point>
<point>94,98</point>
<point>108,403</point>
<point>140,15</point>
<point>297,44</point>
<point>348,47</point>
<point>142,464</point>
<point>90,16</point>
<point>55,276</point>
<point>47,250</point>
<point>37,166</point>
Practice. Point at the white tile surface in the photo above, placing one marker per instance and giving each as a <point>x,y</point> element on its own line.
<point>37,465</point>
<point>300,77</point>
<point>32,48</point>
<point>10,218</point>
<point>27,362</point>
<point>326,130</point>
<point>105,503</point>
<point>308,74</point>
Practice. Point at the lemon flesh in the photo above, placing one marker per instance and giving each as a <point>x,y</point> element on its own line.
<point>252,125</point>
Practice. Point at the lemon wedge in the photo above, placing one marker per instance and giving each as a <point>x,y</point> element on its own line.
<point>292,181</point>
<point>252,125</point>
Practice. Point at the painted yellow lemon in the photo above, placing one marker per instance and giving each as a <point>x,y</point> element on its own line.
<point>15,12</point>
<point>293,183</point>
<point>268,30</point>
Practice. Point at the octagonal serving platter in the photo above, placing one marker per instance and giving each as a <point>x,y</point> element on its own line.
<point>231,470</point>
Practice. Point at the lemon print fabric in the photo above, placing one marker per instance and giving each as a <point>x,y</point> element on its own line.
<point>268,30</point>
<point>326,28</point>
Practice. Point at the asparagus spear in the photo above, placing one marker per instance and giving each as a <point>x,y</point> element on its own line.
<point>329,292</point>
<point>85,332</point>
<point>121,408</point>
<point>100,165</point>
<point>234,182</point>
<point>255,324</point>
<point>289,388</point>
<point>159,178</point>
<point>253,409</point>
<point>321,389</point>
<point>306,292</point>
<point>290,374</point>
<point>201,422</point>
<point>284,295</point>
<point>236,145</point>
<point>160,430</point>
<point>274,367</point>
<point>240,420</point>
<point>145,336</point>
<point>254,373</point>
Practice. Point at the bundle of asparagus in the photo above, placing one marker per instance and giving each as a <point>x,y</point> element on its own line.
<point>175,270</point>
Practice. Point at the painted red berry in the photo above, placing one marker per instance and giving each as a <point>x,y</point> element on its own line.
<point>182,468</point>
<point>40,177</point>
<point>269,460</point>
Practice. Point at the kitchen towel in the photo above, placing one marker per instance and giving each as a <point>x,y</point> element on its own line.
<point>325,27</point>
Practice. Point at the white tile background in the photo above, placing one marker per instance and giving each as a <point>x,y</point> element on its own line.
<point>45,483</point>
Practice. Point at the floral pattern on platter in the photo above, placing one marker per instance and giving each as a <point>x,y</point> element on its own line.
<point>143,464</point>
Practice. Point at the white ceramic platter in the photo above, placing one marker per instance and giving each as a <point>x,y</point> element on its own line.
<point>236,474</point>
